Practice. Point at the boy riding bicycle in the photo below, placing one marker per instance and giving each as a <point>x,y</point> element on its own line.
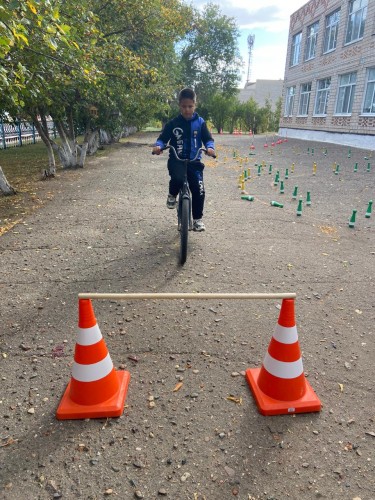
<point>186,133</point>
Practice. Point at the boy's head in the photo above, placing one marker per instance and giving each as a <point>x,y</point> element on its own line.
<point>187,103</point>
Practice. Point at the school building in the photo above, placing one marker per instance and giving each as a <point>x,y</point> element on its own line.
<point>329,82</point>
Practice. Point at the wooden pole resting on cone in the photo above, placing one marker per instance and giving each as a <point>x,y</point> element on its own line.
<point>185,296</point>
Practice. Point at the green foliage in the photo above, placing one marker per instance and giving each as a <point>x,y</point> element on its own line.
<point>220,107</point>
<point>209,55</point>
<point>60,57</point>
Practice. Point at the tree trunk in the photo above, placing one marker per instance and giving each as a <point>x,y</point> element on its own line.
<point>82,156</point>
<point>93,141</point>
<point>51,163</point>
<point>105,137</point>
<point>42,128</point>
<point>5,187</point>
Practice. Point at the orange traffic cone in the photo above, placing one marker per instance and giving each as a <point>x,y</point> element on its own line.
<point>279,386</point>
<point>96,390</point>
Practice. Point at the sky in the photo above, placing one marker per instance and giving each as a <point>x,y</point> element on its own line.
<point>268,21</point>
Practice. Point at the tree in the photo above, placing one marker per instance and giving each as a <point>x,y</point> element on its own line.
<point>220,107</point>
<point>209,55</point>
<point>249,113</point>
<point>78,57</point>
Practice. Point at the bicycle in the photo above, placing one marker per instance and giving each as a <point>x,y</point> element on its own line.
<point>184,218</point>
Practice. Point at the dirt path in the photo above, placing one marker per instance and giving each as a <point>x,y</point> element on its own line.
<point>107,230</point>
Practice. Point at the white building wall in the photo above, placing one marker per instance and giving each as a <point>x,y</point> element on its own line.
<point>353,128</point>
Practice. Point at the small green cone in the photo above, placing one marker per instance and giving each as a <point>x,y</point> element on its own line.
<point>294,195</point>
<point>277,178</point>
<point>247,197</point>
<point>308,199</point>
<point>356,167</point>
<point>369,209</point>
<point>352,219</point>
<point>308,151</point>
<point>286,174</point>
<point>282,187</point>
<point>259,170</point>
<point>312,151</point>
<point>337,171</point>
<point>276,204</point>
<point>299,208</point>
<point>349,153</point>
<point>368,167</point>
<point>245,175</point>
<point>270,169</point>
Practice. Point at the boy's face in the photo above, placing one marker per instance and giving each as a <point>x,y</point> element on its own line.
<point>187,108</point>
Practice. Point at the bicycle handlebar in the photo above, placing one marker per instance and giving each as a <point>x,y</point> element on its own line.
<point>204,150</point>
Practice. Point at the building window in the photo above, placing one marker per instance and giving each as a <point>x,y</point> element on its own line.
<point>322,95</point>
<point>289,101</point>
<point>356,20</point>
<point>304,100</point>
<point>369,101</point>
<point>345,93</point>
<point>331,31</point>
<point>296,49</point>
<point>311,41</point>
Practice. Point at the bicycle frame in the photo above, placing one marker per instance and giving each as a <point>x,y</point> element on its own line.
<point>184,210</point>
<point>184,193</point>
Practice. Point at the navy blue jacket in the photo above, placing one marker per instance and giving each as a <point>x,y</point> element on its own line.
<point>186,136</point>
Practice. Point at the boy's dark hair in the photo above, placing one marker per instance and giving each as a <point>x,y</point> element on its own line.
<point>187,94</point>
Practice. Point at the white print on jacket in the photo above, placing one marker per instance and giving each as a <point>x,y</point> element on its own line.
<point>177,132</point>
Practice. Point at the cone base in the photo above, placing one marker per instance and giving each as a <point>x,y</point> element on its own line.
<point>269,406</point>
<point>113,407</point>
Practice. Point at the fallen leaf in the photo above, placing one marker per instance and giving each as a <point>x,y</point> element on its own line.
<point>178,387</point>
<point>235,399</point>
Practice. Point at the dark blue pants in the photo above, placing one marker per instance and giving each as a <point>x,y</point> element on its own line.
<point>195,180</point>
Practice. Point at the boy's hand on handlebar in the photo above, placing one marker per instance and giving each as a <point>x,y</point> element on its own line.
<point>211,152</point>
<point>156,150</point>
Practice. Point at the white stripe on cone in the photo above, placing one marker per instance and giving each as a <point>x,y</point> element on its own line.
<point>286,335</point>
<point>89,336</point>
<point>93,372</point>
<point>282,369</point>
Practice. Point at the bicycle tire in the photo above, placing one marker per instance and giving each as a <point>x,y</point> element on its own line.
<point>184,229</point>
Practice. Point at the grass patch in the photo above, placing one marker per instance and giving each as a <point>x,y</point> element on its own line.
<point>22,167</point>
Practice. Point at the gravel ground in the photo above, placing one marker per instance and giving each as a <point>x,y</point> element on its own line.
<point>106,229</point>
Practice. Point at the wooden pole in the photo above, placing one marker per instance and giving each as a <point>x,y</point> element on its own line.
<point>185,296</point>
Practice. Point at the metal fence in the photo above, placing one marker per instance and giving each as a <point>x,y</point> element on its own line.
<point>14,134</point>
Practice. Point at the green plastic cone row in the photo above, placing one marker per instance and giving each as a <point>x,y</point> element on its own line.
<point>352,219</point>
<point>369,209</point>
<point>299,208</point>
<point>276,204</point>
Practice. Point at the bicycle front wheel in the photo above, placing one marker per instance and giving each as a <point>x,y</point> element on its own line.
<point>184,229</point>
